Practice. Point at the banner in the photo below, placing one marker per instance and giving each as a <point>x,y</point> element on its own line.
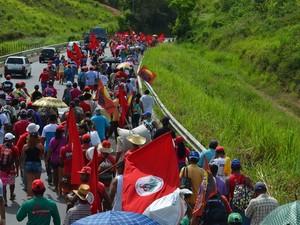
<point>146,74</point>
<point>104,99</point>
<point>150,172</point>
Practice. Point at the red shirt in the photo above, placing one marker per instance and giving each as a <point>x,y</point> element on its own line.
<point>74,93</point>
<point>14,150</point>
<point>20,127</point>
<point>235,179</point>
<point>66,155</point>
<point>44,76</point>
<point>22,141</point>
<point>85,147</point>
<point>85,106</point>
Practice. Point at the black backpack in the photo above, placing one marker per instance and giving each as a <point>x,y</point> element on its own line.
<point>215,212</point>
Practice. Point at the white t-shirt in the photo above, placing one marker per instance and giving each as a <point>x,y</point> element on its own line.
<point>3,121</point>
<point>90,77</point>
<point>148,103</point>
<point>104,80</point>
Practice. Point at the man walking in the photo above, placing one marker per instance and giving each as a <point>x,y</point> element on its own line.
<point>260,206</point>
<point>101,124</point>
<point>39,209</point>
<point>147,102</point>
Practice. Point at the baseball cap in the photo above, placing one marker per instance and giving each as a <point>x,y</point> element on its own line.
<point>69,83</point>
<point>86,88</point>
<point>8,77</point>
<point>220,149</point>
<point>9,136</point>
<point>147,114</point>
<point>259,186</point>
<point>178,139</point>
<point>60,127</point>
<point>235,218</point>
<point>85,170</point>
<point>86,138</point>
<point>194,155</point>
<point>235,164</point>
<point>38,185</point>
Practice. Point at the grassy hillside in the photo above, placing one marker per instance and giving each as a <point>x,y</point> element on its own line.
<point>206,92</point>
<point>52,21</point>
<point>262,33</point>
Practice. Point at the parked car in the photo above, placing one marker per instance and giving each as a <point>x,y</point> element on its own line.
<point>48,54</point>
<point>17,65</point>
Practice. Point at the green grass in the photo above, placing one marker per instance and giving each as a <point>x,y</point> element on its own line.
<point>50,22</point>
<point>206,92</point>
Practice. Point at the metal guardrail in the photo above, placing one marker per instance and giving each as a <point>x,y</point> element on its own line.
<point>188,137</point>
<point>33,51</point>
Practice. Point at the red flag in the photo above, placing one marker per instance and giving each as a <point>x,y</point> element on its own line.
<point>73,57</point>
<point>207,189</point>
<point>150,173</point>
<point>94,43</point>
<point>94,182</point>
<point>104,99</point>
<point>146,74</point>
<point>74,142</point>
<point>161,38</point>
<point>124,105</point>
<point>77,52</point>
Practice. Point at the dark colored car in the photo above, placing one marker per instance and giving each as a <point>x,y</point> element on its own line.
<point>47,54</point>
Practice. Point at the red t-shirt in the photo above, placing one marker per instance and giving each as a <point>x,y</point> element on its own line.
<point>44,76</point>
<point>20,127</point>
<point>85,106</point>
<point>85,147</point>
<point>74,93</point>
<point>66,155</point>
<point>235,179</point>
<point>14,150</point>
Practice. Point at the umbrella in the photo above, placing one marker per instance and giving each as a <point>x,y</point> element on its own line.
<point>50,102</point>
<point>125,65</point>
<point>285,214</point>
<point>119,47</point>
<point>116,217</point>
<point>111,60</point>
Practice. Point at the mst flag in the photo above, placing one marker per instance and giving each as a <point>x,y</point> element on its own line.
<point>94,43</point>
<point>150,173</point>
<point>74,142</point>
<point>104,99</point>
<point>146,74</point>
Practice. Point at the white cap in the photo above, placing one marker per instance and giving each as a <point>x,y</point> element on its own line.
<point>9,136</point>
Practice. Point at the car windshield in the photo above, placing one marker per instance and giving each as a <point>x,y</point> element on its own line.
<point>15,61</point>
<point>47,51</point>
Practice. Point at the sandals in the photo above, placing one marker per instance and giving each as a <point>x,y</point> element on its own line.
<point>13,197</point>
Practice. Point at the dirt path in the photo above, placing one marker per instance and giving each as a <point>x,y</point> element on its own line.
<point>277,101</point>
<point>112,10</point>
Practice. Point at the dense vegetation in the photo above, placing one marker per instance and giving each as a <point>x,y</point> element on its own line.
<point>205,91</point>
<point>49,22</point>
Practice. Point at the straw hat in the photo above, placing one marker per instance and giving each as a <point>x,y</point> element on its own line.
<point>105,147</point>
<point>82,191</point>
<point>136,139</point>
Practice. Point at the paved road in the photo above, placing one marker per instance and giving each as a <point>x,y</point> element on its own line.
<point>13,206</point>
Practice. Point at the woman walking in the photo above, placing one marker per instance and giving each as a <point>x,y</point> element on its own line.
<point>31,157</point>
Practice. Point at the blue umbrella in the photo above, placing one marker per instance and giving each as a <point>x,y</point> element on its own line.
<point>116,217</point>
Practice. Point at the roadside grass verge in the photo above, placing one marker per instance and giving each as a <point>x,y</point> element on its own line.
<point>205,91</point>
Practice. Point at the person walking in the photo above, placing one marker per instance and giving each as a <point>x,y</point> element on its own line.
<point>147,102</point>
<point>44,78</point>
<point>261,205</point>
<point>31,157</point>
<point>9,165</point>
<point>101,124</point>
<point>39,209</point>
<point>115,191</point>
<point>82,209</point>
<point>208,153</point>
<point>196,174</point>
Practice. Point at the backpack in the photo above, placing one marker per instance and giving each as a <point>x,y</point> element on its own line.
<point>242,195</point>
<point>6,159</point>
<point>150,127</point>
<point>214,212</point>
<point>106,176</point>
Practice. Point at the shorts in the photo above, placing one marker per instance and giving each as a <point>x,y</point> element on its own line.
<point>33,167</point>
<point>7,178</point>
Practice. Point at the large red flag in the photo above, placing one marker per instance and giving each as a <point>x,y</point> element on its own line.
<point>94,182</point>
<point>104,99</point>
<point>74,142</point>
<point>94,43</point>
<point>150,173</point>
<point>124,106</point>
<point>146,74</point>
<point>77,52</point>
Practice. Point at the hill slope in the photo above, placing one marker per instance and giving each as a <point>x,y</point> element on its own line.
<point>43,18</point>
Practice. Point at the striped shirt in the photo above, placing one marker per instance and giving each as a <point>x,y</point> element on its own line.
<point>260,207</point>
<point>76,213</point>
